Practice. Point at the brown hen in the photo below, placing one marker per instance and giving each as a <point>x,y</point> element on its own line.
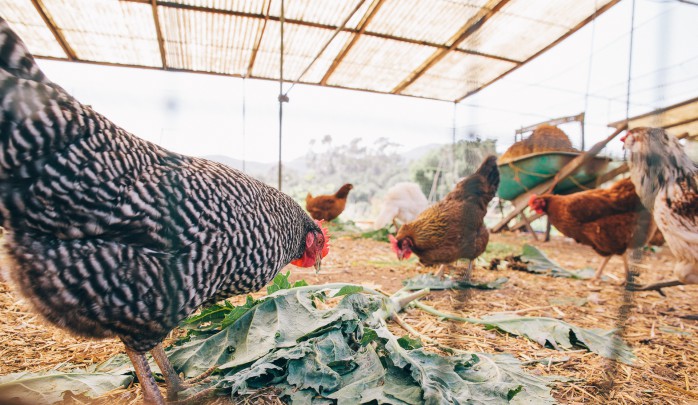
<point>608,220</point>
<point>454,227</point>
<point>328,207</point>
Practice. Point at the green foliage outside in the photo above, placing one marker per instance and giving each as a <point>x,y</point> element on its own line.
<point>453,162</point>
<point>374,168</point>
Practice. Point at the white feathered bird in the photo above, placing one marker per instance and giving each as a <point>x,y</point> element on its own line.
<point>403,202</point>
<point>667,182</point>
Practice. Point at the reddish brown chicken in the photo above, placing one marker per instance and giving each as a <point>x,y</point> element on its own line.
<point>454,227</point>
<point>608,220</point>
<point>328,207</point>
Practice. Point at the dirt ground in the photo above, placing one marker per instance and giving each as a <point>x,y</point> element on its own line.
<point>666,345</point>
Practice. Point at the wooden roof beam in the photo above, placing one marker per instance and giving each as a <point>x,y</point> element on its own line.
<point>470,27</point>
<point>258,39</point>
<point>266,17</point>
<point>654,112</point>
<point>158,31</point>
<point>562,38</point>
<point>70,53</point>
<point>373,9</point>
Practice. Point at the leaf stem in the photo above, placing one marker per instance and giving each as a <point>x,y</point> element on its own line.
<point>434,311</point>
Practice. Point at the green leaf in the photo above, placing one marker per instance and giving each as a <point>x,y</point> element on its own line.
<point>369,336</point>
<point>433,282</point>
<point>214,313</point>
<point>322,356</point>
<point>559,334</point>
<point>537,262</point>
<point>468,377</point>
<point>47,388</point>
<point>348,289</point>
<point>408,343</point>
<point>279,321</point>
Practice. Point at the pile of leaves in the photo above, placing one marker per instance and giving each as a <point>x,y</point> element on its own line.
<point>313,345</point>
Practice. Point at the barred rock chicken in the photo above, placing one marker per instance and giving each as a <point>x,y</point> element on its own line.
<point>328,207</point>
<point>113,236</point>
<point>667,182</point>
<point>454,227</point>
<point>607,220</point>
<point>403,202</point>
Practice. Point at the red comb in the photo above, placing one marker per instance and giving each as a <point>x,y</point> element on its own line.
<point>393,242</point>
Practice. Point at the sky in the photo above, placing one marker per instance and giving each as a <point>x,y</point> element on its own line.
<point>203,115</point>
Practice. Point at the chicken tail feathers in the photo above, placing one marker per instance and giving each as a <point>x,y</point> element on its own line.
<point>15,57</point>
<point>488,169</point>
<point>480,186</point>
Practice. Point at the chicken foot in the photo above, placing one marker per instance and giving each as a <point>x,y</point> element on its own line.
<point>174,383</point>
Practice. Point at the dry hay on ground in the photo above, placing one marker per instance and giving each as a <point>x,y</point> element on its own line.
<point>666,370</point>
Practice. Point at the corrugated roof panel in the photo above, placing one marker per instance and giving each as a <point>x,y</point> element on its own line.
<point>326,12</point>
<point>107,31</point>
<point>456,75</point>
<point>301,46</point>
<point>244,6</point>
<point>531,25</point>
<point>28,24</point>
<point>567,13</point>
<point>207,42</point>
<point>378,64</point>
<point>424,20</point>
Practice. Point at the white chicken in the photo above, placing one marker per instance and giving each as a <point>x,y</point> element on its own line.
<point>667,182</point>
<point>403,202</point>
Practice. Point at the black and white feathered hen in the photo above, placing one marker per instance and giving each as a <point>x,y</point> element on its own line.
<point>110,235</point>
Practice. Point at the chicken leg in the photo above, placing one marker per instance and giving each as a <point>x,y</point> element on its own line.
<point>599,270</point>
<point>174,383</point>
<point>151,392</point>
<point>469,270</point>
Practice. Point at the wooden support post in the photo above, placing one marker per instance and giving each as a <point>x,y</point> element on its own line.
<point>522,224</point>
<point>527,223</point>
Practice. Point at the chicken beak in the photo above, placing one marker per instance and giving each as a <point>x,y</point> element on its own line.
<point>626,136</point>
<point>318,260</point>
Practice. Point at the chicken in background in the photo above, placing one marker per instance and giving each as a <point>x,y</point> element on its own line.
<point>666,179</point>
<point>403,202</point>
<point>608,220</point>
<point>108,235</point>
<point>328,207</point>
<point>453,228</point>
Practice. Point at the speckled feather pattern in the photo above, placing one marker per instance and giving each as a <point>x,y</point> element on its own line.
<point>112,235</point>
<point>667,183</point>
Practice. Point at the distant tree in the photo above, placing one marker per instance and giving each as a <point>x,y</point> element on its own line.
<point>451,162</point>
<point>370,168</point>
